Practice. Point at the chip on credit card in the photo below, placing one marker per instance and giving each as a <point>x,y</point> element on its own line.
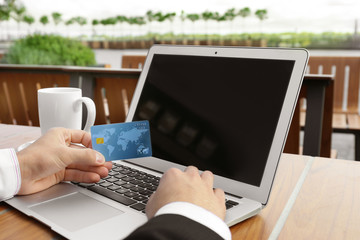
<point>122,140</point>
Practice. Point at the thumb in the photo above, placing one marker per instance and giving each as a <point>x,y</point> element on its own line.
<point>85,156</point>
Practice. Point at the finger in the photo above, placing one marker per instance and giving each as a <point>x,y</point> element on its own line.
<point>219,194</point>
<point>76,145</point>
<point>101,170</point>
<point>149,207</point>
<point>77,136</point>
<point>86,157</point>
<point>171,172</point>
<point>108,165</point>
<point>81,176</point>
<point>89,168</point>
<point>208,178</point>
<point>192,170</point>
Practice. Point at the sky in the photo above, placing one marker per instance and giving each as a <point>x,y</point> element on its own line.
<point>283,15</point>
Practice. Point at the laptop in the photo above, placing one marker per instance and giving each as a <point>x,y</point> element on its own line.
<point>223,109</point>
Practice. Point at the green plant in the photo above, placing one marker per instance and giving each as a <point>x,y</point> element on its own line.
<point>244,13</point>
<point>29,19</point>
<point>19,12</point>
<point>56,17</point>
<point>80,20</point>
<point>261,14</point>
<point>44,20</point>
<point>49,50</point>
<point>4,13</point>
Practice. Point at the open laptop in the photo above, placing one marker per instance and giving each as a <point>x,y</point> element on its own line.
<point>223,109</point>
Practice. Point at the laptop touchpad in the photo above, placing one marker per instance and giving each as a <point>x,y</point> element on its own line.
<point>75,211</point>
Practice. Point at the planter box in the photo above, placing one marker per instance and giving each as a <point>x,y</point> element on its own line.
<point>105,44</point>
<point>259,43</point>
<point>113,45</point>
<point>95,44</point>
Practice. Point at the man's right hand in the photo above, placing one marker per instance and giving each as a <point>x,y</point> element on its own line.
<point>188,186</point>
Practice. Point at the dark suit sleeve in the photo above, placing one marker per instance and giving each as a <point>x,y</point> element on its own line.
<point>174,227</point>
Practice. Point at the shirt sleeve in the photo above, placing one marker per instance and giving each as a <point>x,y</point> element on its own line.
<point>10,176</point>
<point>199,215</point>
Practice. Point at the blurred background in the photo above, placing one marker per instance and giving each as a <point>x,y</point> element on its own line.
<point>99,33</point>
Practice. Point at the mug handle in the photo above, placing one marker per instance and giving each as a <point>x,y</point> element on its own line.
<point>91,111</point>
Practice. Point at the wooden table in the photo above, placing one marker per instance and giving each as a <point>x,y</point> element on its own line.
<point>312,198</point>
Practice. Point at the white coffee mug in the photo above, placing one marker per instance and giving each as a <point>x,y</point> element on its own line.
<point>62,107</point>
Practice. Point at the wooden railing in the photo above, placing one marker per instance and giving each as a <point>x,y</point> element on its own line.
<point>111,90</point>
<point>346,71</point>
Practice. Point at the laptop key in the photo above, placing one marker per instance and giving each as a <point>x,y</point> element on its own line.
<point>127,179</point>
<point>146,192</point>
<point>112,180</point>
<point>152,188</point>
<point>136,189</point>
<point>120,182</point>
<point>145,185</point>
<point>85,185</point>
<point>131,194</point>
<point>138,206</point>
<point>135,182</point>
<point>120,175</point>
<point>232,202</point>
<point>112,195</point>
<point>106,184</point>
<point>125,171</point>
<point>122,190</point>
<point>117,169</point>
<point>228,206</point>
<point>114,187</point>
<point>128,185</point>
<point>140,198</point>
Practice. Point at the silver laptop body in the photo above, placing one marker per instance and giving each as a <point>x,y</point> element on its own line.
<point>224,109</point>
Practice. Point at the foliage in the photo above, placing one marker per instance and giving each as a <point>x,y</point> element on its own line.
<point>4,13</point>
<point>44,20</point>
<point>80,20</point>
<point>193,17</point>
<point>230,14</point>
<point>261,14</point>
<point>28,19</point>
<point>49,50</point>
<point>121,19</point>
<point>109,21</point>
<point>207,15</point>
<point>244,12</point>
<point>18,13</point>
<point>95,22</point>
<point>56,17</point>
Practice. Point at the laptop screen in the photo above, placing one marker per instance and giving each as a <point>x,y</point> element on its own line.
<point>216,113</point>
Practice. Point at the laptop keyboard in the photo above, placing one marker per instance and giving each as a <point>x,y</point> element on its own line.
<point>130,187</point>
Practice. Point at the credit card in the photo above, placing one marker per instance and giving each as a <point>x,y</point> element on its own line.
<point>122,140</point>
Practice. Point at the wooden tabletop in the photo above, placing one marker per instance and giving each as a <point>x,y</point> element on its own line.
<point>312,198</point>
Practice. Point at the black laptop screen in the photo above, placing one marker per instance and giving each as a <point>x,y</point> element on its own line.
<point>216,113</point>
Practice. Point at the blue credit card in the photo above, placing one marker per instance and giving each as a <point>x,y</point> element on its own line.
<point>122,140</point>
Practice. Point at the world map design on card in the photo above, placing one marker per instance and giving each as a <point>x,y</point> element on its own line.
<point>122,140</point>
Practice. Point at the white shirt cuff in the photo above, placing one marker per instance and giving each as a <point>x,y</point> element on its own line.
<point>199,215</point>
<point>10,175</point>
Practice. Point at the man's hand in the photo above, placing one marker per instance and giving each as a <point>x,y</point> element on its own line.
<point>54,158</point>
<point>187,186</point>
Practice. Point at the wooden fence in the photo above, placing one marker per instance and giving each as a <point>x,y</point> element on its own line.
<point>111,90</point>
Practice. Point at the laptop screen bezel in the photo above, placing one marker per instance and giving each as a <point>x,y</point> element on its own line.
<point>299,56</point>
